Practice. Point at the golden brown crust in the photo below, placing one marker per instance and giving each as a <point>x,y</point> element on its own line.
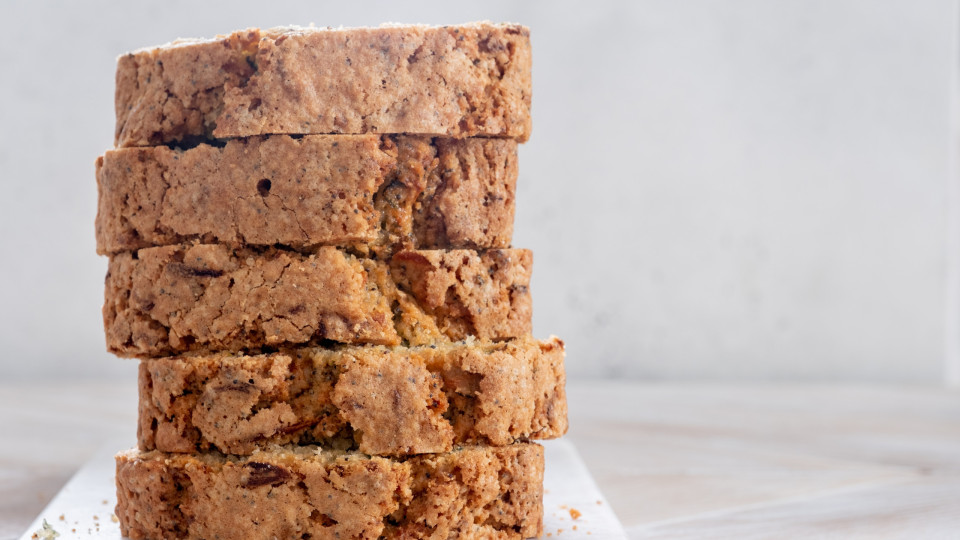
<point>473,492</point>
<point>378,400</point>
<point>458,81</point>
<point>343,190</point>
<point>208,297</point>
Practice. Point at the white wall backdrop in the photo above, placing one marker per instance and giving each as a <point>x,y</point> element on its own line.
<point>738,189</point>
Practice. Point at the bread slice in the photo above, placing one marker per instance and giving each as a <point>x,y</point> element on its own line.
<point>458,81</point>
<point>304,492</point>
<point>169,300</point>
<point>343,190</point>
<point>378,400</point>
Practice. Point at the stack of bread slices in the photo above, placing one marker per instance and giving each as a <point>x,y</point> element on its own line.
<point>309,238</point>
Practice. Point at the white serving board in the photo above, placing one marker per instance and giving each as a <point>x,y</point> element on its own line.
<point>86,502</point>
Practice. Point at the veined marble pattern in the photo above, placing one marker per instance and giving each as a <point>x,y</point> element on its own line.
<point>751,461</point>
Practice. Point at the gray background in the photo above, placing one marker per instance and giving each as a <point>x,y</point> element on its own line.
<point>738,189</point>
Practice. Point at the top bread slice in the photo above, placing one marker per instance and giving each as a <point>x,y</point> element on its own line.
<point>456,81</point>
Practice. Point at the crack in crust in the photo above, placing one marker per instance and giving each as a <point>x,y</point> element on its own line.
<point>368,192</point>
<point>175,299</point>
<point>472,492</point>
<point>431,397</point>
<point>458,81</point>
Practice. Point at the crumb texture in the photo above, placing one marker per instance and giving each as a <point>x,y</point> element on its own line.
<point>209,297</point>
<point>458,81</point>
<point>472,492</point>
<point>342,190</point>
<point>377,400</point>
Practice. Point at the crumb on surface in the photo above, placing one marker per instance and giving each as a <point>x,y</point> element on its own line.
<point>46,532</point>
<point>114,518</point>
<point>599,501</point>
<point>62,517</point>
<point>105,501</point>
<point>575,514</point>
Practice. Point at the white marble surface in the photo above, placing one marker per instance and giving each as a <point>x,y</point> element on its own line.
<point>675,460</point>
<point>753,461</point>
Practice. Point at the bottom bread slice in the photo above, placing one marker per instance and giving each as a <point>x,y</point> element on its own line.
<point>307,493</point>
